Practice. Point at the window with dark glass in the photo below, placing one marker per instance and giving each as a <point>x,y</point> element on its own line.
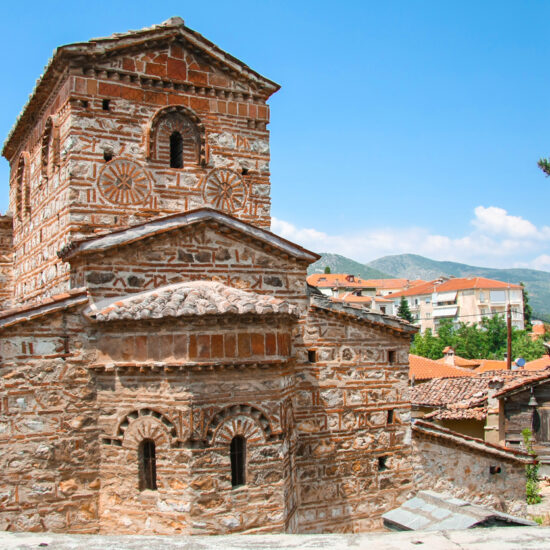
<point>176,150</point>
<point>147,465</point>
<point>238,460</point>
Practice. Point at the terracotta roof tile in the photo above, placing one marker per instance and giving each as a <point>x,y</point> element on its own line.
<point>467,390</point>
<point>464,283</point>
<point>195,298</point>
<point>423,368</point>
<point>490,365</point>
<point>462,362</point>
<point>330,280</point>
<point>538,364</point>
<point>455,413</point>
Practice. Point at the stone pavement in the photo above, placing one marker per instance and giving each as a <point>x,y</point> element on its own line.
<point>499,538</point>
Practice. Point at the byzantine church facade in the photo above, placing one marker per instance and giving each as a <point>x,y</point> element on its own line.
<point>164,367</point>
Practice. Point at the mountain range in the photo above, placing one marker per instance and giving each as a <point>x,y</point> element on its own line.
<point>412,266</point>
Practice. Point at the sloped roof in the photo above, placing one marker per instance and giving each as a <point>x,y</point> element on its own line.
<point>490,365</point>
<point>423,368</point>
<point>59,302</point>
<point>520,384</point>
<point>455,413</point>
<point>122,237</point>
<point>463,283</point>
<point>171,29</point>
<point>359,313</point>
<point>329,280</point>
<point>462,362</point>
<point>196,298</point>
<point>468,391</point>
<point>431,511</point>
<point>538,364</point>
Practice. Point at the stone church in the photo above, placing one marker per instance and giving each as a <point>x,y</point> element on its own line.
<point>164,368</point>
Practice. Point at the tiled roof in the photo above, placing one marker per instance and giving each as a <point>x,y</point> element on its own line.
<point>358,313</point>
<point>464,283</point>
<point>538,364</point>
<point>423,368</point>
<point>455,413</point>
<point>190,218</point>
<point>468,391</point>
<point>352,299</point>
<point>490,365</point>
<point>58,302</point>
<point>519,384</point>
<point>324,280</point>
<point>427,428</point>
<point>195,298</point>
<point>462,362</point>
<point>463,393</point>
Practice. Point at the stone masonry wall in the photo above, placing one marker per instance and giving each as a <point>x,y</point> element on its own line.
<point>353,454</point>
<point>6,260</point>
<point>99,124</point>
<point>192,412</point>
<point>440,465</point>
<point>48,428</point>
<point>185,255</point>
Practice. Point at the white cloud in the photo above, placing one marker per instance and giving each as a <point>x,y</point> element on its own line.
<point>498,239</point>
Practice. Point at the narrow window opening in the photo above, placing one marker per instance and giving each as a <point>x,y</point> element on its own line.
<point>382,463</point>
<point>494,470</point>
<point>106,105</point>
<point>238,460</point>
<point>176,150</point>
<point>147,465</point>
<point>244,171</point>
<point>312,356</point>
<point>391,357</point>
<point>107,156</point>
<point>390,416</point>
<point>84,104</point>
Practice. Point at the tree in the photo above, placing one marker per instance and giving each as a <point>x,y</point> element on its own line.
<point>544,165</point>
<point>527,309</point>
<point>403,310</point>
<point>327,269</point>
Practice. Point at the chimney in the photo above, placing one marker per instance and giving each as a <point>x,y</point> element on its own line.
<point>494,425</point>
<point>449,355</point>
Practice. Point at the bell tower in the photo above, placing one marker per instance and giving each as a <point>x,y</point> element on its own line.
<point>124,129</point>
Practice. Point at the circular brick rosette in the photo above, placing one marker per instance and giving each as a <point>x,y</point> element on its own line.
<point>225,190</point>
<point>124,182</point>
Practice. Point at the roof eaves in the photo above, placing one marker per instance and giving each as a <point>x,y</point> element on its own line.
<point>160,225</point>
<point>60,302</point>
<point>474,443</point>
<point>374,318</point>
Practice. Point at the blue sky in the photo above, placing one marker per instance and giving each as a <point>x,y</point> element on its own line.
<point>410,126</point>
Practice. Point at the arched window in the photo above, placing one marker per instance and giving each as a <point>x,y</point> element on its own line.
<point>176,150</point>
<point>147,465</point>
<point>176,138</point>
<point>238,460</point>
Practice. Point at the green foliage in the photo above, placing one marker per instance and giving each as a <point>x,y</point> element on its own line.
<point>527,309</point>
<point>327,269</point>
<point>486,340</point>
<point>532,490</point>
<point>403,310</point>
<point>544,165</point>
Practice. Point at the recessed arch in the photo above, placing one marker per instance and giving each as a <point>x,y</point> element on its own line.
<point>146,423</point>
<point>170,121</point>
<point>49,155</point>
<point>245,420</point>
<point>22,182</point>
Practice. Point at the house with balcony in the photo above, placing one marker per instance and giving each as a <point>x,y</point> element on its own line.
<point>466,299</point>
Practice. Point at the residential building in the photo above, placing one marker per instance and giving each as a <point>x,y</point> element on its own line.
<point>465,300</point>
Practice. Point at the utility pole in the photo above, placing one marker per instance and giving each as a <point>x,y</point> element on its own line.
<point>509,342</point>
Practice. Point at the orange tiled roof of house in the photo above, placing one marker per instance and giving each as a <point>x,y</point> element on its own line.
<point>490,365</point>
<point>337,279</point>
<point>384,284</point>
<point>353,299</point>
<point>463,283</point>
<point>462,362</point>
<point>538,364</point>
<point>423,368</point>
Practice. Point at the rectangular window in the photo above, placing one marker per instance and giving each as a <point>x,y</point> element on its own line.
<point>391,357</point>
<point>390,416</point>
<point>382,463</point>
<point>312,356</point>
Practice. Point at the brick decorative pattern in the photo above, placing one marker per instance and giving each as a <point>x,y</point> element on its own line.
<point>315,391</point>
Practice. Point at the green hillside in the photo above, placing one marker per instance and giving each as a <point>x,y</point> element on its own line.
<point>341,264</point>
